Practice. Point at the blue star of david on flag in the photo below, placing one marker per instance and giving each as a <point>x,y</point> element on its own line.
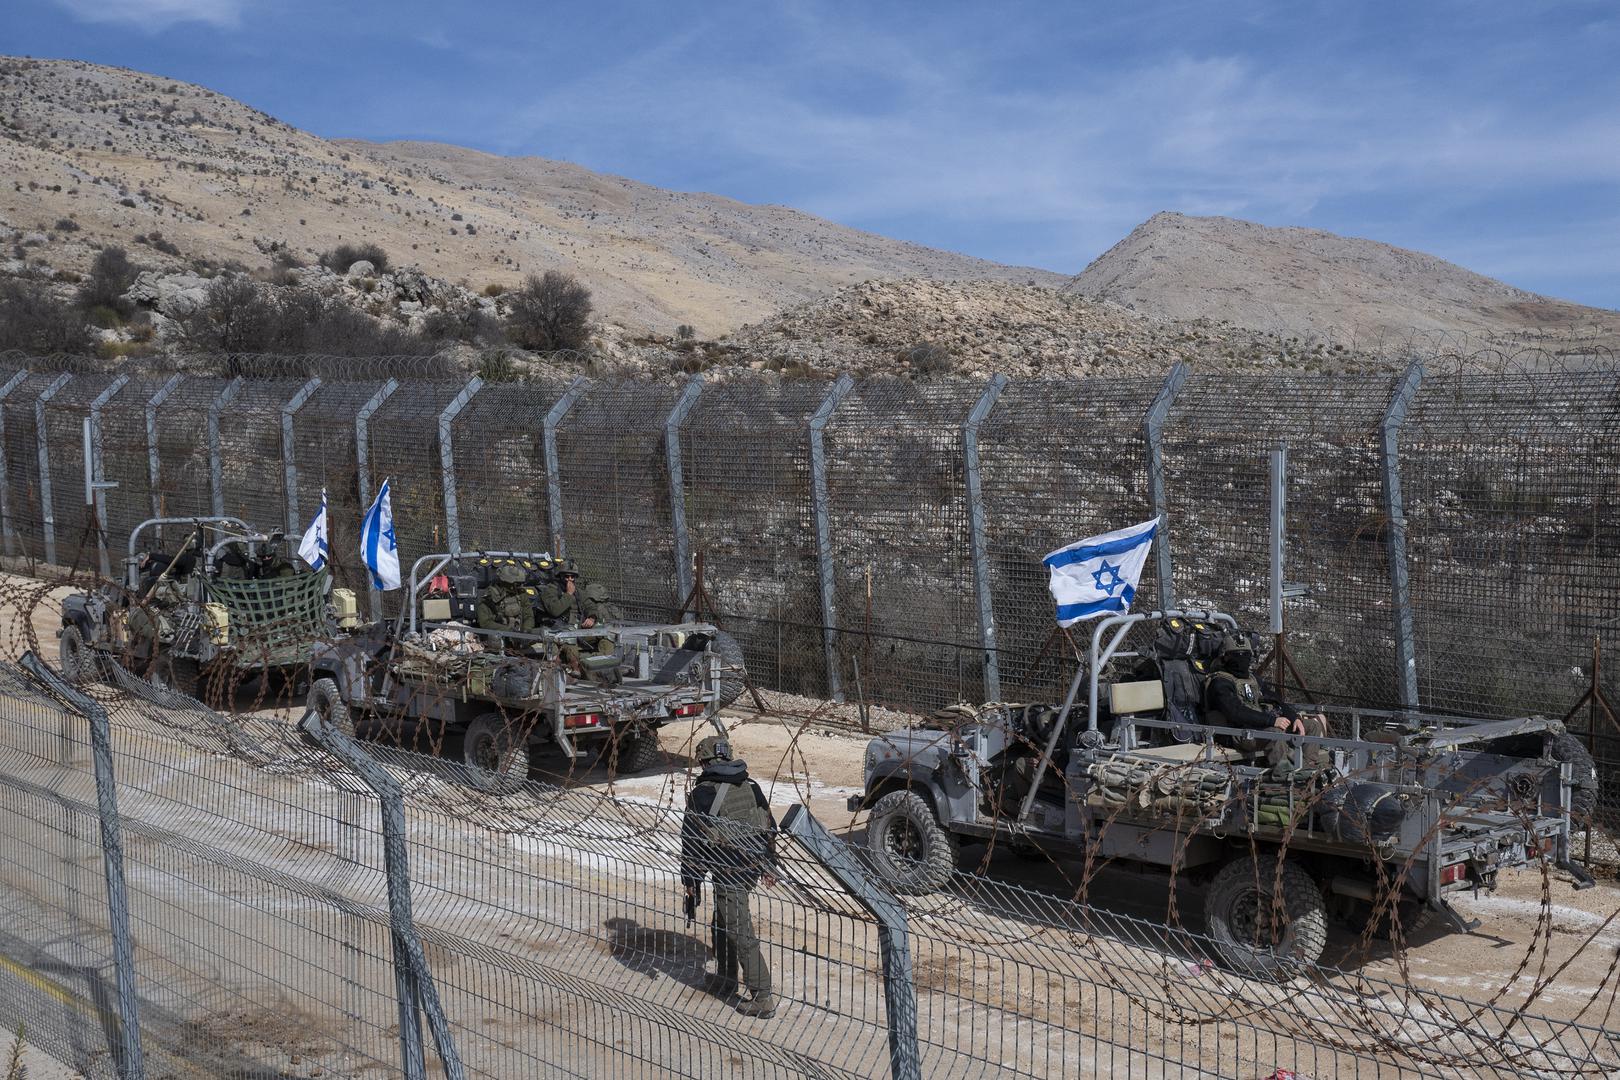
<point>1098,575</point>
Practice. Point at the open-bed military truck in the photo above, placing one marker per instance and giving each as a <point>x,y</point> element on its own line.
<point>1387,818</point>
<point>495,698</point>
<point>229,603</point>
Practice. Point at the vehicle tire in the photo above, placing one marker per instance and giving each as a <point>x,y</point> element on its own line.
<point>326,700</point>
<point>909,847</point>
<point>1566,746</point>
<point>636,748</point>
<point>1238,913</point>
<point>77,661</point>
<point>733,668</point>
<point>178,674</point>
<point>496,757</point>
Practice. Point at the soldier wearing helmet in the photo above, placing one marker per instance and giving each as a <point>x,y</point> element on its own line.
<point>1234,697</point>
<point>507,603</point>
<point>563,604</point>
<point>729,834</point>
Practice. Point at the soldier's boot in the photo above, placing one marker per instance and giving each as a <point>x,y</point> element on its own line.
<point>761,1005</point>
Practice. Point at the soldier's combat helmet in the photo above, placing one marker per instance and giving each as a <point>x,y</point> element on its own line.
<point>567,570</point>
<point>1236,643</point>
<point>713,748</point>
<point>509,574</point>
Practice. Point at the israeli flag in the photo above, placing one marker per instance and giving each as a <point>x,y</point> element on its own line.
<point>316,544</point>
<point>378,547</point>
<point>1098,575</point>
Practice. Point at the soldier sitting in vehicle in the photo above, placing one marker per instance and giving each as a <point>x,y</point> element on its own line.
<point>1233,697</point>
<point>507,603</point>
<point>269,563</point>
<point>566,605</point>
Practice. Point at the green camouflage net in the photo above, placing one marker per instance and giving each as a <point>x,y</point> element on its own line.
<point>275,620</point>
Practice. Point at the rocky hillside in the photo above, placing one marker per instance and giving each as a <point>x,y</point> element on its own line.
<point>1308,281</point>
<point>980,328</point>
<point>177,174</point>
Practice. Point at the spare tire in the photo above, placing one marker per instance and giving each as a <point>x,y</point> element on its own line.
<point>1566,746</point>
<point>733,668</point>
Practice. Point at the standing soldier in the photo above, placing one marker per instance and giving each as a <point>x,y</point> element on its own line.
<point>728,833</point>
<point>507,603</point>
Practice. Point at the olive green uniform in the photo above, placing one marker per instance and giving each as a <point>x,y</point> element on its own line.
<point>565,610</point>
<point>729,834</point>
<point>506,604</point>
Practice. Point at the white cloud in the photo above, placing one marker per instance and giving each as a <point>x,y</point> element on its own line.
<point>157,14</point>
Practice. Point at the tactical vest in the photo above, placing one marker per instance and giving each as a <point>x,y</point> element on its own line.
<point>737,830</point>
<point>1248,691</point>
<point>509,606</point>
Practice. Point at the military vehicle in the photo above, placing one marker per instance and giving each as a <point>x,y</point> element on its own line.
<point>230,603</point>
<point>1388,815</point>
<point>495,698</point>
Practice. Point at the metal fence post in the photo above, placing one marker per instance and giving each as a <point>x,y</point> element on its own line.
<point>1152,432</point>
<point>132,1065</point>
<point>447,462</point>
<point>216,468</point>
<point>47,515</point>
<point>154,464</point>
<point>96,470</point>
<point>677,493</point>
<point>6,529</point>
<point>413,979</point>
<point>288,465</point>
<point>894,938</point>
<point>976,535</point>
<point>362,464</point>
<point>818,503</point>
<point>1400,584</point>
<point>548,441</point>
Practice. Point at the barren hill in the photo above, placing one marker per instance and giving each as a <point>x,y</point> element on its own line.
<point>97,155</point>
<point>982,327</point>
<point>1308,281</point>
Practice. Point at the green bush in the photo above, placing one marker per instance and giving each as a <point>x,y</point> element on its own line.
<point>339,259</point>
<point>34,320</point>
<point>550,312</point>
<point>110,277</point>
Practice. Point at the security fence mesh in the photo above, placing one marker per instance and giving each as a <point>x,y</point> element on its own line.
<point>257,875</point>
<point>1507,466</point>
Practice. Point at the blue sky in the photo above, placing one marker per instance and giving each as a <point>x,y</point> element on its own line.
<point>1036,133</point>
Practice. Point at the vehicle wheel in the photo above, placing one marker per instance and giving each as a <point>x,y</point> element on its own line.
<point>1241,910</point>
<point>179,674</point>
<point>77,661</point>
<point>637,748</point>
<point>1566,746</point>
<point>909,847</point>
<point>496,757</point>
<point>327,701</point>
<point>733,669</point>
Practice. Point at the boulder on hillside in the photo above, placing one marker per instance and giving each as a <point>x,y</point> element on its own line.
<point>173,295</point>
<point>361,268</point>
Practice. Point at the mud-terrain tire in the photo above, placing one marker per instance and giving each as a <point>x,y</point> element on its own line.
<point>1566,746</point>
<point>326,701</point>
<point>76,660</point>
<point>179,674</point>
<point>1238,913</point>
<point>496,757</point>
<point>733,668</point>
<point>637,749</point>
<point>909,847</point>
